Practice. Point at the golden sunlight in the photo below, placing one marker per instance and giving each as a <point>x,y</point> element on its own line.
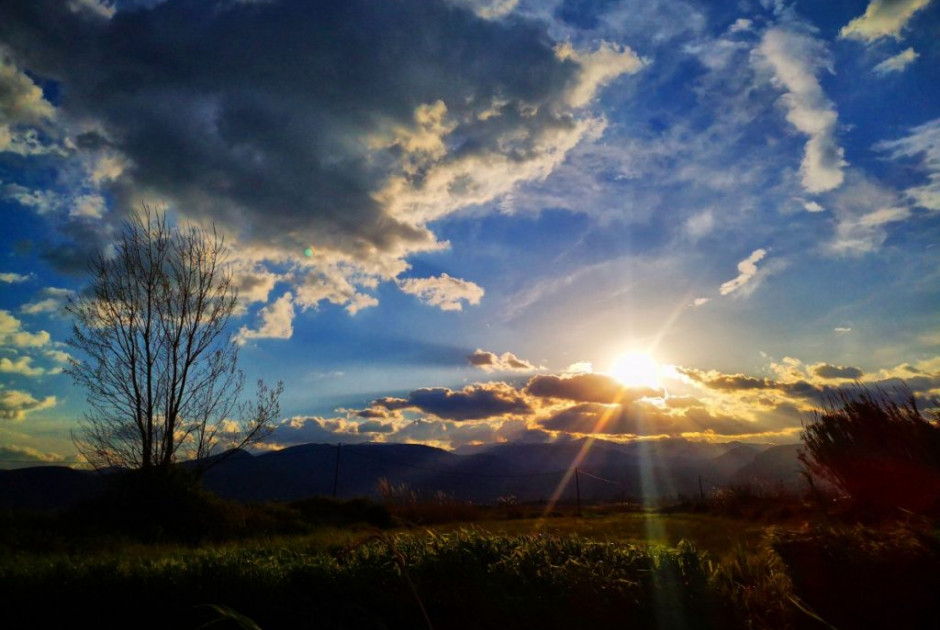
<point>636,369</point>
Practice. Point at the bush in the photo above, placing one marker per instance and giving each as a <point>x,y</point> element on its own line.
<point>883,453</point>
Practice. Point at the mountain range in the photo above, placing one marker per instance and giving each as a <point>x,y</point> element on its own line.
<point>600,470</point>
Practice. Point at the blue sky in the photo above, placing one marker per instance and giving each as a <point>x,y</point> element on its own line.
<point>450,220</point>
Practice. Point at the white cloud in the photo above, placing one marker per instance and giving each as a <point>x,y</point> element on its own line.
<point>812,206</point>
<point>747,269</point>
<point>89,206</point>
<point>794,58</point>
<point>702,301</point>
<point>740,25</point>
<point>12,278</point>
<point>15,456</point>
<point>923,142</point>
<point>699,225</point>
<point>22,107</point>
<point>444,291</point>
<point>277,321</point>
<point>896,63</point>
<point>598,68</point>
<point>15,404</point>
<point>841,330</point>
<point>882,18</point>
<point>52,301</point>
<point>488,9</point>
<point>21,366</point>
<point>863,233</point>
<point>12,333</point>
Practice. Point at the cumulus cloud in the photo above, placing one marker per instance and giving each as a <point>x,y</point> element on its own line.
<point>445,292</point>
<point>473,402</point>
<point>12,333</point>
<point>598,68</point>
<point>747,272</point>
<point>587,387</point>
<point>491,362</point>
<point>923,143</point>
<point>882,18</point>
<point>259,133</point>
<point>639,419</point>
<point>896,63</point>
<point>794,59</point>
<point>22,109</point>
<point>51,300</point>
<point>277,321</point>
<point>20,365</point>
<point>15,404</point>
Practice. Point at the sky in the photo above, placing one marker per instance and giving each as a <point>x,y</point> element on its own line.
<point>461,222</point>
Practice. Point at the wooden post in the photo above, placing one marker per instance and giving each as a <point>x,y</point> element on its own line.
<point>577,489</point>
<point>336,471</point>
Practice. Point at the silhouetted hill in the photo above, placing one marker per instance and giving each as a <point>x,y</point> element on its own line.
<point>776,465</point>
<point>607,470</point>
<point>47,487</point>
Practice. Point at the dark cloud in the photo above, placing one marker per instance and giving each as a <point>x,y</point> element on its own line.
<point>837,371</point>
<point>375,427</point>
<point>727,382</point>
<point>491,361</point>
<point>371,413</point>
<point>597,388</point>
<point>474,402</point>
<point>284,121</point>
<point>593,418</point>
<point>643,419</point>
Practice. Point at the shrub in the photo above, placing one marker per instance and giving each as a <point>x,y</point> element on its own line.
<point>880,450</point>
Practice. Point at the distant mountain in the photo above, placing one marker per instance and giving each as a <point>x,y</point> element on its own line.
<point>777,465</point>
<point>605,470</point>
<point>47,487</point>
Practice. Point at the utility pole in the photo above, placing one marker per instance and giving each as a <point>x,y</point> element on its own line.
<point>701,492</point>
<point>336,471</point>
<point>577,488</point>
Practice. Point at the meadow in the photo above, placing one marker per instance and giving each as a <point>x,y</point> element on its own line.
<point>438,563</point>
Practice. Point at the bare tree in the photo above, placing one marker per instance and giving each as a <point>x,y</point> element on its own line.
<point>157,362</point>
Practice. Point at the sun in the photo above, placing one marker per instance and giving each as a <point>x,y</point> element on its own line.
<point>636,369</point>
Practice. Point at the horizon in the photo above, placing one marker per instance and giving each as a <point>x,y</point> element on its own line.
<point>535,222</point>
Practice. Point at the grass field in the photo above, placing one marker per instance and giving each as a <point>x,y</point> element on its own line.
<point>605,569</point>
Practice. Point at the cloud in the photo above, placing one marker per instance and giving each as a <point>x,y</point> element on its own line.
<point>14,456</point>
<point>812,206</point>
<point>473,402</point>
<point>15,404</point>
<point>277,321</point>
<point>52,301</point>
<point>21,365</point>
<point>22,109</point>
<point>639,419</point>
<point>238,114</point>
<point>12,278</point>
<point>794,59</point>
<point>882,18</point>
<point>747,271</point>
<point>586,387</point>
<point>444,291</point>
<point>824,370</point>
<point>12,333</point>
<point>492,362</point>
<point>598,68</point>
<point>896,63</point>
<point>842,329</point>
<point>864,210</point>
<point>922,142</point>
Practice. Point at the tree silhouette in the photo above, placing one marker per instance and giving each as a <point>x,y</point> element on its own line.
<point>879,449</point>
<point>157,363</point>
